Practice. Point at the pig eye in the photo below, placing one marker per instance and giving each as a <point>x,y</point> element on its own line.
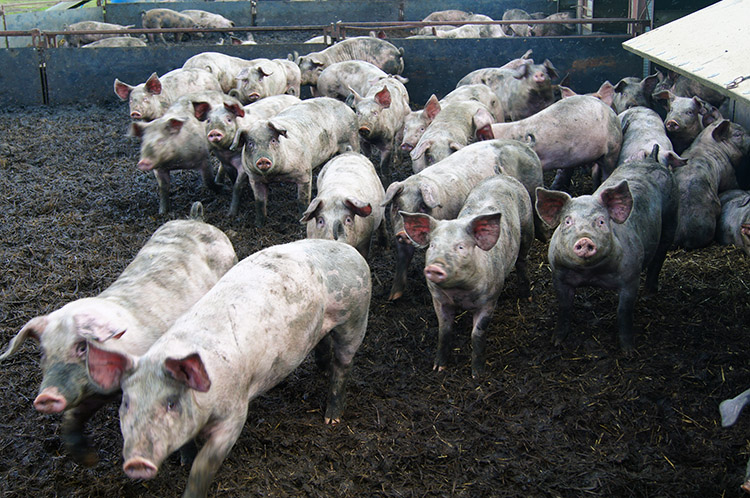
<point>321,222</point>
<point>568,221</point>
<point>600,222</point>
<point>423,207</point>
<point>172,404</point>
<point>421,128</point>
<point>80,348</point>
<point>348,220</point>
<point>249,146</point>
<point>274,141</point>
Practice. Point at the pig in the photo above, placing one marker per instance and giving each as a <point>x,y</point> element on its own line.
<point>151,99</point>
<point>683,86</point>
<point>516,29</point>
<point>233,40</point>
<point>730,410</point>
<point>348,205</point>
<point>380,114</point>
<point>224,67</point>
<point>642,128</point>
<point>441,189</point>
<point>416,122</point>
<point>686,118</point>
<point>381,53</point>
<point>451,130</point>
<point>631,92</point>
<point>181,261</point>
<point>469,258</point>
<point>555,132</point>
<point>556,29</point>
<point>326,39</point>
<point>75,39</point>
<point>710,170</point>
<point>524,88</point>
<point>265,77</point>
<point>166,18</point>
<point>288,147</point>
<point>473,30</point>
<point>340,78</point>
<point>222,123</point>
<point>116,41</point>
<point>606,239</point>
<point>203,19</point>
<point>248,333</point>
<point>176,140</point>
<point>734,222</point>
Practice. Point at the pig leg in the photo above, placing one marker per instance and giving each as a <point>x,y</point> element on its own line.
<point>385,160</point>
<point>71,429</point>
<point>522,275</point>
<point>208,178</point>
<point>625,310</point>
<point>565,294</point>
<point>346,340</point>
<point>221,438</point>
<point>322,353</point>
<point>304,193</point>
<point>260,192</point>
<point>445,314</point>
<point>163,180</point>
<point>404,255</point>
<point>562,179</point>
<point>482,319</point>
<point>239,184</point>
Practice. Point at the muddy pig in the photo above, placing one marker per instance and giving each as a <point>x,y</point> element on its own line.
<point>76,40</point>
<point>472,30</point>
<point>175,141</point>
<point>686,118</point>
<point>642,128</point>
<point>265,77</point>
<point>151,99</point>
<point>224,67</point>
<point>247,334</point>
<point>555,135</point>
<point>340,78</point>
<point>381,53</point>
<point>557,29</point>
<point>516,29</point>
<point>734,221</point>
<point>222,123</point>
<point>380,114</point>
<point>181,261</point>
<point>166,18</point>
<point>203,19</point>
<point>469,258</point>
<point>710,170</point>
<point>348,205</point>
<point>116,41</point>
<point>441,189</point>
<point>730,410</point>
<point>288,147</point>
<point>606,239</point>
<point>683,86</point>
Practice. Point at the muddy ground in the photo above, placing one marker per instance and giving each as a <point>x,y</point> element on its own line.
<point>577,420</point>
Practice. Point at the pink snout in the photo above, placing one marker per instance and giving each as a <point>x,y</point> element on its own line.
<point>407,147</point>
<point>215,136</point>
<point>145,165</point>
<point>263,164</point>
<point>434,273</point>
<point>540,77</point>
<point>136,115</point>
<point>50,401</point>
<point>584,248</point>
<point>672,125</point>
<point>140,468</point>
<point>364,131</point>
<point>253,97</point>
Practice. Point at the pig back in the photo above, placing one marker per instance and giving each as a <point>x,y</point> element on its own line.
<point>381,53</point>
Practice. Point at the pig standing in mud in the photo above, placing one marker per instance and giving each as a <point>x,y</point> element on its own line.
<point>248,333</point>
<point>469,258</point>
<point>606,239</point>
<point>380,114</point>
<point>181,261</point>
<point>555,135</point>
<point>288,146</point>
<point>441,189</point>
<point>348,207</point>
<point>151,99</point>
<point>222,123</point>
<point>734,222</point>
<point>265,77</point>
<point>381,53</point>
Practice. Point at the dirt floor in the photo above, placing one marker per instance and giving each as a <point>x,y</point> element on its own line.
<point>576,420</point>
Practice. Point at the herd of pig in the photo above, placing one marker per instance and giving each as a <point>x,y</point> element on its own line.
<point>175,331</point>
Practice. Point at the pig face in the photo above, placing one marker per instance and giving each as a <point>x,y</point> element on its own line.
<point>310,67</point>
<point>369,113</point>
<point>687,116</point>
<point>451,258</point>
<point>160,142</point>
<point>336,219</point>
<point>583,237</point>
<point>221,122</point>
<point>731,138</point>
<point>631,92</point>
<point>262,146</point>
<point>421,196</point>
<point>253,83</point>
<point>146,101</point>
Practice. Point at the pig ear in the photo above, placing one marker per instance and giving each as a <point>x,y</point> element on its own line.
<point>190,371</point>
<point>106,368</point>
<point>317,61</point>
<point>432,108</point>
<point>566,92</point>
<point>277,129</point>
<point>34,329</point>
<point>485,229</point>
<point>418,227</point>
<point>201,110</point>
<point>606,93</point>
<point>455,146</point>
<point>483,124</point>
<point>122,89</point>
<point>618,201</point>
<point>95,328</point>
<point>745,229</point>
<point>358,207</point>
<point>235,109</point>
<point>264,70</point>
<point>721,132</point>
<point>393,190</point>
<point>175,125</point>
<point>673,160</point>
<point>153,84</point>
<point>312,210</point>
<point>649,84</point>
<point>428,195</point>
<point>550,68</point>
<point>664,95</point>
<point>240,137</point>
<point>383,98</point>
<point>620,86</point>
<point>549,205</point>
<point>420,149</point>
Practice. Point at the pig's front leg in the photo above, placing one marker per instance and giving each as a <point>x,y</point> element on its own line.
<point>445,315</point>
<point>239,184</point>
<point>404,255</point>
<point>304,193</point>
<point>625,309</point>
<point>221,438</point>
<point>565,294</point>
<point>482,319</point>
<point>72,427</point>
<point>260,192</point>
<point>163,181</point>
<point>346,340</point>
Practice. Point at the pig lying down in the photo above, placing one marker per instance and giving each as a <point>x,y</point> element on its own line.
<point>181,261</point>
<point>242,338</point>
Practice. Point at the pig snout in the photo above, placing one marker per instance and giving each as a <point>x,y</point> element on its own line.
<point>145,165</point>
<point>140,468</point>
<point>672,125</point>
<point>263,164</point>
<point>435,273</point>
<point>253,97</point>
<point>364,131</point>
<point>50,401</point>
<point>402,238</point>
<point>407,147</point>
<point>540,77</point>
<point>584,248</point>
<point>215,136</point>
<point>136,115</point>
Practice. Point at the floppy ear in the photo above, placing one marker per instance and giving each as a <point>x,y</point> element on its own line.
<point>278,129</point>
<point>312,210</point>
<point>358,207</point>
<point>34,329</point>
<point>485,229</point>
<point>153,84</point>
<point>428,195</point>
<point>96,328</point>
<point>549,205</point>
<point>550,68</point>
<point>393,190</point>
<point>618,200</point>
<point>420,149</point>
<point>418,227</point>
<point>190,371</point>
<point>483,124</point>
<point>649,83</point>
<point>264,70</point>
<point>106,368</point>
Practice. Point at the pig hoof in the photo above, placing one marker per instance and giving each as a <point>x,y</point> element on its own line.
<point>438,368</point>
<point>331,421</point>
<point>745,487</point>
<point>395,295</point>
<point>85,457</point>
